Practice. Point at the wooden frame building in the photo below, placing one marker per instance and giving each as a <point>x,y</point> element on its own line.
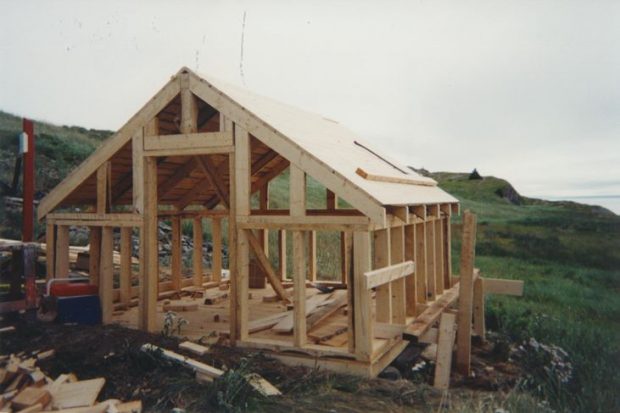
<point>199,150</point>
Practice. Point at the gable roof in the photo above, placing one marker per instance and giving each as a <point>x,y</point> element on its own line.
<point>324,149</point>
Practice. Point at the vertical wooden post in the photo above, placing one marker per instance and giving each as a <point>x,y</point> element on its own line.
<point>102,188</point>
<point>137,165</point>
<point>463,352</point>
<point>282,253</point>
<point>439,257</point>
<point>263,234</point>
<point>94,254</point>
<point>447,248</point>
<point>445,343</point>
<point>242,190</point>
<point>50,249</point>
<point>216,232</point>
<point>430,259</point>
<point>349,281</point>
<point>149,252</point>
<point>125,274</point>
<point>312,255</point>
<point>362,301</point>
<point>397,255</point>
<point>106,281</point>
<point>175,260</point>
<point>331,202</point>
<point>382,259</point>
<point>197,254</point>
<point>346,246</point>
<point>411,280</point>
<point>420,254</point>
<point>297,199</point>
<point>479,324</point>
<point>62,252</point>
<point>189,107</point>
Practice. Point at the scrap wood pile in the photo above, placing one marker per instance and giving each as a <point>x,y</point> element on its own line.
<point>24,387</point>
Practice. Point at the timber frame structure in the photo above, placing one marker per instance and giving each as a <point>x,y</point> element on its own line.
<point>199,150</point>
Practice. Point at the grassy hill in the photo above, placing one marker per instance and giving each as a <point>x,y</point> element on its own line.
<point>567,253</point>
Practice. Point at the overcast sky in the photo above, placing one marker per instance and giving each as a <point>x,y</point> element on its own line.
<point>524,90</point>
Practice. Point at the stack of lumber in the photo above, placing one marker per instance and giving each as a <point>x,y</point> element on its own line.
<point>24,387</point>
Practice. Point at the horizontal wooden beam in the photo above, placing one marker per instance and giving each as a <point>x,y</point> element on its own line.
<point>205,140</point>
<point>327,223</point>
<point>95,220</point>
<point>388,274</point>
<point>317,212</point>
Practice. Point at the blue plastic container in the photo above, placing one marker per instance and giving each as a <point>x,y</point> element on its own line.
<point>83,309</point>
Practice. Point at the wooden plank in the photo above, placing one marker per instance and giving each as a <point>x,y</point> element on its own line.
<point>362,300</point>
<point>338,301</point>
<point>346,246</point>
<point>265,323</point>
<point>216,233</point>
<point>77,394</point>
<point>86,218</point>
<point>468,246</point>
<point>282,253</point>
<point>306,223</point>
<point>189,106</point>
<point>381,260</point>
<point>102,188</point>
<point>31,396</point>
<point>263,234</point>
<point>242,159</point>
<point>199,141</point>
<point>420,262</point>
<point>500,286</point>
<point>194,348</point>
<point>137,170</point>
<point>397,255</point>
<point>312,256</point>
<point>479,325</point>
<point>149,251</point>
<point>299,289</point>
<point>181,173</point>
<point>210,173</point>
<point>180,305</point>
<point>431,267</point>
<point>175,249</point>
<point>410,282</point>
<point>273,278</point>
<point>447,250</point>
<point>385,275</point>
<point>62,251</point>
<point>439,257</point>
<point>195,365</point>
<point>125,270</point>
<point>287,324</point>
<point>106,282</point>
<point>425,320</point>
<point>445,344</point>
<point>388,331</point>
<point>197,252</point>
<point>50,240</point>
<point>407,180</point>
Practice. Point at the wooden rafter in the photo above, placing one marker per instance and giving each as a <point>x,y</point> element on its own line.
<point>210,172</point>
<point>180,174</point>
<point>200,188</point>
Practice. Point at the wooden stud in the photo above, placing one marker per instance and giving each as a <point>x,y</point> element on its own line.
<point>397,255</point>
<point>420,255</point>
<point>125,273</point>
<point>273,278</point>
<point>447,250</point>
<point>346,246</point>
<point>463,354</point>
<point>62,252</point>
<point>382,259</point>
<point>445,344</point>
<point>137,166</point>
<point>50,249</point>
<point>102,188</point>
<point>431,288</point>
<point>312,256</point>
<point>189,107</point>
<point>149,251</point>
<point>362,301</point>
<point>348,280</point>
<point>331,201</point>
<point>410,281</point>
<point>213,179</point>
<point>299,289</point>
<point>297,196</point>
<point>94,254</point>
<point>282,253</point>
<point>439,257</point>
<point>242,190</point>
<point>216,233</point>
<point>175,249</point>
<point>197,254</point>
<point>106,281</point>
<point>479,324</point>
<point>263,234</point>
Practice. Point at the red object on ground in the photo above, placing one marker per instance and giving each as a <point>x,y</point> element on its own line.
<point>28,196</point>
<point>72,290</point>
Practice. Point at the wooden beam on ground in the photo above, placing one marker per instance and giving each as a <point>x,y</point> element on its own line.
<point>197,253</point>
<point>125,273</point>
<point>362,301</point>
<point>445,344</point>
<point>176,252</point>
<point>273,278</point>
<point>149,251</point>
<point>382,259</point>
<point>94,254</point>
<point>468,247</point>
<point>106,281</point>
<point>216,233</point>
<point>62,251</point>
